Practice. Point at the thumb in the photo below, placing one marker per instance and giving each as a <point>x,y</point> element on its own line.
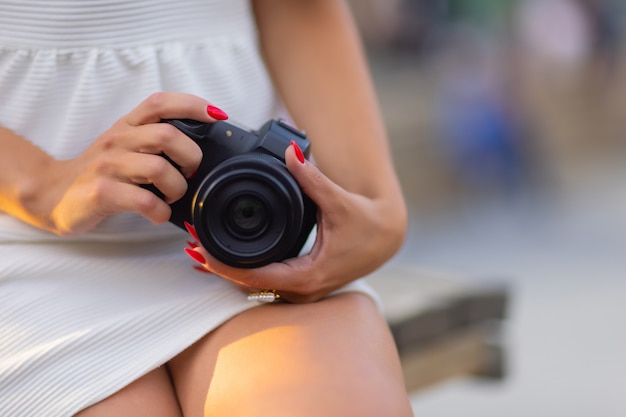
<point>310,179</point>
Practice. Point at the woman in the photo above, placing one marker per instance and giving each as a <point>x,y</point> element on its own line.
<point>101,312</point>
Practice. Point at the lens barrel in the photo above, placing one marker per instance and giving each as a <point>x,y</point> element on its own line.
<point>248,211</point>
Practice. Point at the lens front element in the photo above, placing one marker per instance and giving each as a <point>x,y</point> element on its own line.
<point>246,216</point>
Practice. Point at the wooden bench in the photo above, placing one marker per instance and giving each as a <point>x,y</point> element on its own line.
<point>444,327</point>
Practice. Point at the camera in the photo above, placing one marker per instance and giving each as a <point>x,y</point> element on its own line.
<point>246,207</point>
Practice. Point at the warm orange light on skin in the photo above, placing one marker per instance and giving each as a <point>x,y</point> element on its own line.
<point>254,365</point>
<point>8,206</point>
<point>254,353</point>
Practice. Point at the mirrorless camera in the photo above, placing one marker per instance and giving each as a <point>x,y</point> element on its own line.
<point>246,207</point>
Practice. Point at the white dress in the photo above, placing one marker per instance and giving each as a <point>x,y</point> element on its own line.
<point>82,317</point>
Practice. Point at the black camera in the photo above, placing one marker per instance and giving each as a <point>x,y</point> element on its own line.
<point>246,207</point>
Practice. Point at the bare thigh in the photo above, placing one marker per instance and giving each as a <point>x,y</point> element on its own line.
<point>335,357</point>
<point>151,396</point>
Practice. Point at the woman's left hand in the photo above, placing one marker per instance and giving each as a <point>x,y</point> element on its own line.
<point>355,235</point>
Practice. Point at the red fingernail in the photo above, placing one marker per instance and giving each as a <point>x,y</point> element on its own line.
<point>192,245</point>
<point>196,256</point>
<point>299,153</point>
<point>216,113</point>
<point>192,231</point>
<point>193,174</point>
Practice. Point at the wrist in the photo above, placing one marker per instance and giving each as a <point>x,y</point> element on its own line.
<point>38,193</point>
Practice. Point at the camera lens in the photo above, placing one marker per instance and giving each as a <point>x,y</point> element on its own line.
<point>246,216</point>
<point>249,211</point>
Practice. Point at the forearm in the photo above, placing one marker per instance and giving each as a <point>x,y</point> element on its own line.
<point>314,54</point>
<point>24,171</point>
<point>315,57</point>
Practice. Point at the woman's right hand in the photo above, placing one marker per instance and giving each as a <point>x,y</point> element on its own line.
<point>105,179</point>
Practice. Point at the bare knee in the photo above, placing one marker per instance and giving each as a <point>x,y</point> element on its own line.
<point>331,358</point>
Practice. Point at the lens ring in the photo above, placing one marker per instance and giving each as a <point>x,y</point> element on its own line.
<point>270,179</point>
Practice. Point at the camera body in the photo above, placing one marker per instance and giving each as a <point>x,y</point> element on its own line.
<point>247,209</point>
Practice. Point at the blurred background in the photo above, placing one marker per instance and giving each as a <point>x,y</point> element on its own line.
<point>507,121</point>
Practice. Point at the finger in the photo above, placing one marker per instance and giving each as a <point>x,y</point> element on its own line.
<point>142,169</point>
<point>168,105</point>
<point>311,180</point>
<point>204,258</point>
<point>114,197</point>
<point>289,278</point>
<point>163,138</point>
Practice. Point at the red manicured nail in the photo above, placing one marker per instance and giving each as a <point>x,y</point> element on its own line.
<point>193,174</point>
<point>192,245</point>
<point>195,256</point>
<point>192,231</point>
<point>299,153</point>
<point>216,113</point>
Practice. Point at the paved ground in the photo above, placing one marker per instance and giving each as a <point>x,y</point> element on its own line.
<point>561,249</point>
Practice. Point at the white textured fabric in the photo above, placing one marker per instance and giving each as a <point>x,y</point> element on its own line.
<point>82,317</point>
